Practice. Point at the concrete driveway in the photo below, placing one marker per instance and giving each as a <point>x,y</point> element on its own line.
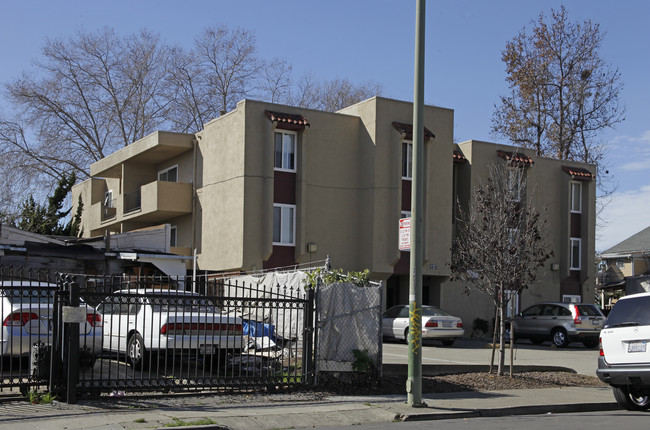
<point>477,352</point>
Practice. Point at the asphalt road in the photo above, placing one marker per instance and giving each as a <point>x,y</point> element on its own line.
<point>576,421</point>
<point>478,352</point>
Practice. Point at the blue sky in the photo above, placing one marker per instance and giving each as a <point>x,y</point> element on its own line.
<point>373,40</point>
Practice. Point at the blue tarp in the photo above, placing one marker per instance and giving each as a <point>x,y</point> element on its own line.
<point>258,329</point>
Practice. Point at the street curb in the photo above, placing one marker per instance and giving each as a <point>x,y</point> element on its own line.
<point>517,410</point>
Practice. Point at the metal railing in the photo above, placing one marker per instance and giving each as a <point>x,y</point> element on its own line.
<point>94,335</point>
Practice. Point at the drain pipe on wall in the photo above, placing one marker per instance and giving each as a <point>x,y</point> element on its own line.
<point>195,143</point>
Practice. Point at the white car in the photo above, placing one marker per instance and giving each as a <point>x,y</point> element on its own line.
<point>27,308</point>
<point>436,324</point>
<point>138,322</point>
<point>624,359</point>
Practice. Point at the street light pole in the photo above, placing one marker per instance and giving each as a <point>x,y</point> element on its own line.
<point>414,380</point>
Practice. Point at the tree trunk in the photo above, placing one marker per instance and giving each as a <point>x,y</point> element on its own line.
<point>494,336</point>
<point>502,333</point>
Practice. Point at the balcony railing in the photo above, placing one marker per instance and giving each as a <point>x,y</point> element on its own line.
<point>109,210</point>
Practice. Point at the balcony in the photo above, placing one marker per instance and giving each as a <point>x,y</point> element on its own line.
<point>152,203</point>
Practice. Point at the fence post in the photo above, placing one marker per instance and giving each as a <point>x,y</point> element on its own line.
<point>308,338</point>
<point>71,341</point>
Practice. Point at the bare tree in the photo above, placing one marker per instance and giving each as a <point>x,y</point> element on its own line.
<point>339,93</point>
<point>90,96</point>
<point>563,94</point>
<point>499,248</point>
<point>276,81</point>
<point>228,64</point>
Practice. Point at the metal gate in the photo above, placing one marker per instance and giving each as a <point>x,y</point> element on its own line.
<point>93,335</point>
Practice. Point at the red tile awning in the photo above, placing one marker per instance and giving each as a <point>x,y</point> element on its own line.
<point>407,131</point>
<point>516,158</point>
<point>578,173</point>
<point>287,121</point>
<point>459,157</point>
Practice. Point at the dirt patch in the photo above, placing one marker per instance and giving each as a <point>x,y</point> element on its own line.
<point>475,381</point>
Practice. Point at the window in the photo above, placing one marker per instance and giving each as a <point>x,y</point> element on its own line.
<point>284,225</point>
<point>570,298</point>
<point>576,197</point>
<point>620,264</point>
<point>515,178</point>
<point>576,245</point>
<point>108,199</point>
<point>172,236</point>
<point>169,175</point>
<point>285,151</point>
<point>407,160</point>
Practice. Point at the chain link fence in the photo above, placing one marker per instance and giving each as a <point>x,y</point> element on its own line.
<point>348,333</point>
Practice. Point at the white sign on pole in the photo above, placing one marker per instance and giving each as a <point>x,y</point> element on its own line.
<point>405,234</point>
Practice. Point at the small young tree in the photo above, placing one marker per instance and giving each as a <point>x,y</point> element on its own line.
<point>499,248</point>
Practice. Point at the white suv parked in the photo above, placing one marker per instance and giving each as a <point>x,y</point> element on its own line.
<point>624,360</point>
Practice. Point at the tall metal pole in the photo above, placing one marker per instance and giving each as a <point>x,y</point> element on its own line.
<point>414,381</point>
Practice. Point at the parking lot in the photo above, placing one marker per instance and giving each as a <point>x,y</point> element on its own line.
<point>477,352</point>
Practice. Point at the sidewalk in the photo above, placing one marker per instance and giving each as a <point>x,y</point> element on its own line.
<point>338,410</point>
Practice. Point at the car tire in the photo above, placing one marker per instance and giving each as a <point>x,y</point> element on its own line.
<point>632,401</point>
<point>448,342</point>
<point>560,338</point>
<point>136,354</point>
<point>592,343</point>
<point>406,336</point>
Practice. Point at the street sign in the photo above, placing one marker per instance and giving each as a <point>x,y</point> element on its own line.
<point>405,234</point>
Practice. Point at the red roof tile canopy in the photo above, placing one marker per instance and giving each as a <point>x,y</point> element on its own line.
<point>578,173</point>
<point>516,159</point>
<point>407,131</point>
<point>459,157</point>
<point>287,121</point>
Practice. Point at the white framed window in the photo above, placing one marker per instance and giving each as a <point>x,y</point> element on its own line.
<point>169,175</point>
<point>108,199</point>
<point>512,303</point>
<point>576,251</point>
<point>620,264</point>
<point>576,197</point>
<point>284,224</point>
<point>570,298</point>
<point>515,176</point>
<point>172,235</point>
<point>285,151</point>
<point>407,159</point>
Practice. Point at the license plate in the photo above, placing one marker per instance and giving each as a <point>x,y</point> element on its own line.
<point>206,349</point>
<point>446,324</point>
<point>636,347</point>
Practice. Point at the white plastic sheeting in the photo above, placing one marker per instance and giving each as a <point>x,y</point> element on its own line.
<point>287,321</point>
<point>349,318</point>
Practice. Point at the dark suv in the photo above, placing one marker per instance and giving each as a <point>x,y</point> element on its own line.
<point>560,323</point>
<point>624,360</point>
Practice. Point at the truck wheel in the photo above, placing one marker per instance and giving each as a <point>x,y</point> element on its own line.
<point>632,401</point>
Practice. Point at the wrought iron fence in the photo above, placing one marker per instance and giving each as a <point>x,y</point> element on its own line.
<point>83,334</point>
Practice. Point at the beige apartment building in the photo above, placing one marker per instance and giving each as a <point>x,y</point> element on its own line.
<point>268,186</point>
